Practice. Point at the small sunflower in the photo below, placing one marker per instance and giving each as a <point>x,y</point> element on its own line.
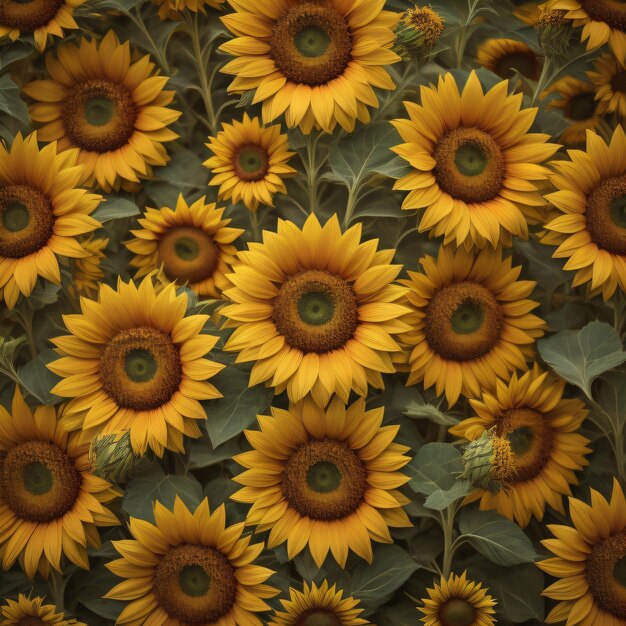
<point>529,12</point>
<point>591,196</point>
<point>189,568</point>
<point>27,611</point>
<point>474,163</point>
<point>192,243</point>
<point>317,62</point>
<point>590,562</point>
<point>42,212</point>
<point>50,502</point>
<point>328,479</point>
<point>249,162</point>
<point>171,9</point>
<point>114,111</point>
<point>578,102</point>
<point>322,605</point>
<point>610,82</point>
<point>456,601</point>
<point>471,322</point>
<point>505,57</point>
<point>317,310</point>
<point>603,21</point>
<point>87,271</point>
<point>135,362</point>
<point>540,425</point>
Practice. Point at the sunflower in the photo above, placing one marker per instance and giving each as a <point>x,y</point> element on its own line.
<point>189,568</point>
<point>42,211</point>
<point>317,62</point>
<point>529,12</point>
<point>602,21</point>
<point>471,321</point>
<point>326,478</point>
<point>456,601</point>
<point>590,562</point>
<point>134,361</point>
<point>577,100</point>
<point>317,310</point>
<point>591,227</point>
<point>114,111</point>
<point>87,271</point>
<point>505,57</point>
<point>171,9</point>
<point>540,425</point>
<point>474,163</point>
<point>31,612</point>
<point>192,243</point>
<point>249,162</point>
<point>610,83</point>
<point>50,502</point>
<point>322,605</point>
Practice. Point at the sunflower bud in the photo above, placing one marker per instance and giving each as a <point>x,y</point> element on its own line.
<point>488,462</point>
<point>112,457</point>
<point>417,33</point>
<point>554,33</point>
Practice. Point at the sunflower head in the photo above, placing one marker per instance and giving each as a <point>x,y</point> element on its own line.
<point>27,611</point>
<point>418,32</point>
<point>87,270</point>
<point>609,79</point>
<point>506,57</point>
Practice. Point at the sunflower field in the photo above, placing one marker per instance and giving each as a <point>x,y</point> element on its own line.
<point>312,312</point>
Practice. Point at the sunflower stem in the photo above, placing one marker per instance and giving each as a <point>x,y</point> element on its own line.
<point>254,226</point>
<point>312,168</point>
<point>57,589</point>
<point>447,526</point>
<point>25,320</point>
<point>135,16</point>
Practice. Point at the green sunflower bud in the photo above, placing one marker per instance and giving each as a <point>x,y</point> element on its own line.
<point>112,457</point>
<point>417,33</point>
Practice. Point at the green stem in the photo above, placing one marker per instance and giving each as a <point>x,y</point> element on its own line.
<point>138,21</point>
<point>254,226</point>
<point>312,168</point>
<point>447,526</point>
<point>25,320</point>
<point>461,41</point>
<point>57,589</point>
<point>350,206</point>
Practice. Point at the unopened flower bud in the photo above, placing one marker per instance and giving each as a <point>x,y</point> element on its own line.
<point>417,33</point>
<point>112,457</point>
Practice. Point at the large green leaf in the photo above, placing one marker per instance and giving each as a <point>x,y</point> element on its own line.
<point>412,404</point>
<point>10,102</point>
<point>435,467</point>
<point>38,380</point>
<point>441,498</point>
<point>115,208</point>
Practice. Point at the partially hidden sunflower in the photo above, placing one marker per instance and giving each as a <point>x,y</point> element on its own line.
<point>114,111</point>
<point>323,605</point>
<point>51,504</point>
<point>609,79</point>
<point>43,212</point>
<point>529,12</point>
<point>540,425</point>
<point>192,243</point>
<point>249,162</point>
<point>603,21</point>
<point>87,271</point>
<point>505,57</point>
<point>590,229</point>
<point>457,601</point>
<point>328,479</point>
<point>171,9</point>
<point>26,611</point>
<point>135,361</point>
<point>190,568</point>
<point>316,62</point>
<point>471,322</point>
<point>316,310</point>
<point>474,163</point>
<point>590,561</point>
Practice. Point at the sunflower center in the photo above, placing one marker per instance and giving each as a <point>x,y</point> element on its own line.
<point>581,107</point>
<point>140,368</point>
<point>526,63</point>
<point>195,584</point>
<point>612,12</point>
<point>188,254</point>
<point>26,221</point>
<point>463,321</point>
<point>99,115</point>
<point>38,481</point>
<point>457,612</point>
<point>316,311</point>
<point>606,574</point>
<point>318,617</point>
<point>31,621</point>
<point>469,165</point>
<point>251,162</point>
<point>27,16</point>
<point>530,436</point>
<point>311,43</point>
<point>618,82</point>
<point>324,479</point>
<point>606,215</point>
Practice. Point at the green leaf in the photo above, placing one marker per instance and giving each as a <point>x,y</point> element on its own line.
<point>10,101</point>
<point>115,208</point>
<point>203,454</point>
<point>612,396</point>
<point>14,51</point>
<point>38,380</point>
<point>91,587</point>
<point>44,293</point>
<point>434,468</point>
<point>121,5</point>
<point>410,401</point>
<point>496,537</point>
<point>581,356</point>
<point>9,349</point>
<point>441,499</point>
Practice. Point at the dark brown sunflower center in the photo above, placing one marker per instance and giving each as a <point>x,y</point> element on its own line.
<point>28,15</point>
<point>99,115</point>
<point>26,221</point>
<point>530,436</point>
<point>318,617</point>
<point>188,254</point>
<point>470,165</point>
<point>31,621</point>
<point>463,321</point>
<point>251,162</point>
<point>38,481</point>
<point>606,215</point>
<point>618,82</point>
<point>612,12</point>
<point>311,43</point>
<point>581,107</point>
<point>316,311</point>
<point>457,612</point>
<point>324,479</point>
<point>606,574</point>
<point>140,368</point>
<point>195,584</point>
<point>525,62</point>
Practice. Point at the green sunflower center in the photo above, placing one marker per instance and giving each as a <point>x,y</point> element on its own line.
<point>612,12</point>
<point>186,248</point>
<point>188,254</point>
<point>521,440</point>
<point>467,318</point>
<point>471,159</point>
<point>140,365</point>
<point>324,477</point>
<point>526,63</point>
<point>312,41</point>
<point>457,612</point>
<point>99,110</point>
<point>28,15</point>
<point>315,308</point>
<point>581,107</point>
<point>194,581</point>
<point>251,162</point>
<point>606,574</point>
<point>606,215</point>
<point>15,217</point>
<point>318,617</point>
<point>37,478</point>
